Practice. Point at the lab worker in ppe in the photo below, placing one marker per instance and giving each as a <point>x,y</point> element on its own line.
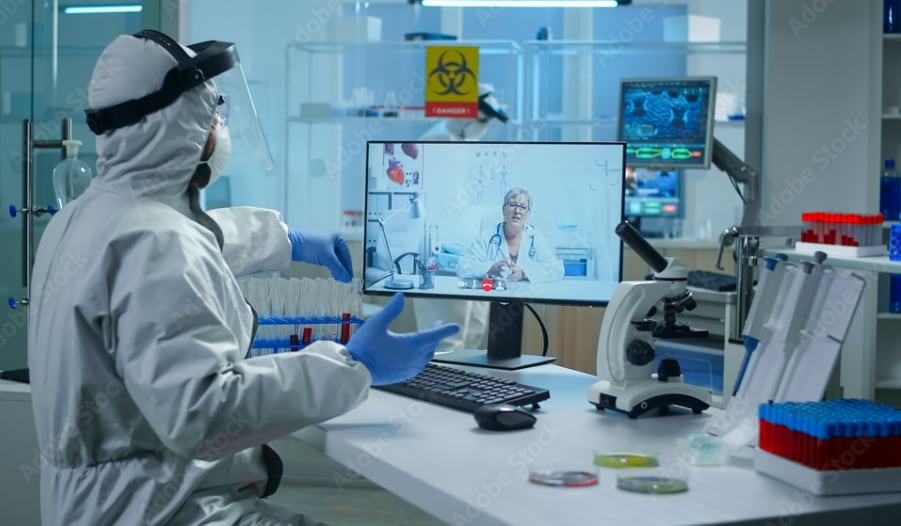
<point>512,249</point>
<point>147,411</point>
<point>472,316</point>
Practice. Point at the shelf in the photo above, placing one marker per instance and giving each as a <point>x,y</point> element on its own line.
<point>580,47</point>
<point>892,36</point>
<point>340,120</point>
<point>487,47</point>
<point>891,116</point>
<point>888,224</point>
<point>889,383</point>
<point>889,316</point>
<point>874,264</point>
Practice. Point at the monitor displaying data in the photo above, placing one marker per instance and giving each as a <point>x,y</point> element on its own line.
<point>653,193</point>
<point>494,221</point>
<point>667,123</point>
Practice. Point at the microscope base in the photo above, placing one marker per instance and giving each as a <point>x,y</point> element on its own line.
<point>640,397</point>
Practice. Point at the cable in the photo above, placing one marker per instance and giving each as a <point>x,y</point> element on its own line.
<point>737,189</point>
<point>543,329</point>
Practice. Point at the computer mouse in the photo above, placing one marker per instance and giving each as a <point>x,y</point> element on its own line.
<point>503,417</point>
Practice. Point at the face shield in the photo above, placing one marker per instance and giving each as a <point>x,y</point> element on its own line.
<point>213,61</point>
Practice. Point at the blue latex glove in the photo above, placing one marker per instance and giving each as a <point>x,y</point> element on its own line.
<point>322,248</point>
<point>392,357</point>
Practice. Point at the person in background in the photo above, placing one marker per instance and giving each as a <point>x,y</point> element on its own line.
<point>512,249</point>
<point>472,316</point>
<point>146,410</point>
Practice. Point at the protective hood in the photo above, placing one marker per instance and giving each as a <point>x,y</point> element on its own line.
<point>156,156</point>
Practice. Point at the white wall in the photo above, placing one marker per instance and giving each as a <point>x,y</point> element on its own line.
<point>820,139</point>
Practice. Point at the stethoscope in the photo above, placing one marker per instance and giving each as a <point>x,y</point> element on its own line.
<point>495,240</point>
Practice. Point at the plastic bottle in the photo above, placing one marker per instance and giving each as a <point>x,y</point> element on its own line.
<point>71,176</point>
<point>891,10</point>
<point>890,192</point>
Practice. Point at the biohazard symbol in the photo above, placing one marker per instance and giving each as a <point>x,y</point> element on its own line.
<point>452,75</point>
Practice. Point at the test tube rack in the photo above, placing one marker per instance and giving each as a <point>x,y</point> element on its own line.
<point>342,327</point>
<point>841,234</point>
<point>894,242</point>
<point>831,447</point>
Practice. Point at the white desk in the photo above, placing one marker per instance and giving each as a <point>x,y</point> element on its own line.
<point>437,459</point>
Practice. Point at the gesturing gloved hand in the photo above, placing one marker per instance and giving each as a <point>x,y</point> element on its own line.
<point>322,248</point>
<point>392,357</point>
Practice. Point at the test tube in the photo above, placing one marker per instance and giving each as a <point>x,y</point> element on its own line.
<point>295,342</point>
<point>345,327</point>
<point>307,336</point>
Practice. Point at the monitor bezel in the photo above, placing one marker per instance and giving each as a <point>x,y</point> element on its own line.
<point>414,293</point>
<point>708,149</point>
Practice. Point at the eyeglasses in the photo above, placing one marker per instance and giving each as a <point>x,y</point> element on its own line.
<point>519,207</point>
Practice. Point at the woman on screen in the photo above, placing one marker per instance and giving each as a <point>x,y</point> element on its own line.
<point>512,249</point>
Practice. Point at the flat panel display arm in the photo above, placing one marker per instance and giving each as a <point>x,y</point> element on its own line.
<point>740,172</point>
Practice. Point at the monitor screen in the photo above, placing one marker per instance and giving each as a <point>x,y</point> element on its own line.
<point>653,193</point>
<point>668,122</point>
<point>501,221</point>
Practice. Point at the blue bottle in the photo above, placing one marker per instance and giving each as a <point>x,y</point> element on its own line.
<point>890,192</point>
<point>891,10</point>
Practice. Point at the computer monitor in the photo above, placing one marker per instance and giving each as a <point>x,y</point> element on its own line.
<point>438,217</point>
<point>667,122</point>
<point>653,193</point>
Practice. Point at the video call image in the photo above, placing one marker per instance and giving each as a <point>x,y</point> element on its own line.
<point>666,122</point>
<point>531,221</point>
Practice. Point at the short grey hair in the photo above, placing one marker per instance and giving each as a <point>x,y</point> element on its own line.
<point>515,191</point>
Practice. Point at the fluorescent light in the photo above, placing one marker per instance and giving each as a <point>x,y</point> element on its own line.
<point>102,9</point>
<point>520,3</point>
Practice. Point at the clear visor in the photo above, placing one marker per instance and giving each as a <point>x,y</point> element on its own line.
<point>250,151</point>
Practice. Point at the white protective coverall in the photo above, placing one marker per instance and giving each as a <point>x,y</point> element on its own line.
<point>146,410</point>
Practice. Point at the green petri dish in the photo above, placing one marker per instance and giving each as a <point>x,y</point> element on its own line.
<point>625,460</point>
<point>656,485</point>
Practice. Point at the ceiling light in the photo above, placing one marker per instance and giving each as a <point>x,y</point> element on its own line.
<point>101,9</point>
<point>524,3</point>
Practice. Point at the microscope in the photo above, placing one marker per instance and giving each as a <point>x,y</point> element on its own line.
<point>625,355</point>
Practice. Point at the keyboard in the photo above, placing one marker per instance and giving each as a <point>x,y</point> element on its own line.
<point>464,390</point>
<point>705,279</point>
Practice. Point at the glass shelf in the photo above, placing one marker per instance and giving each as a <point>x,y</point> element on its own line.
<point>580,47</point>
<point>487,47</point>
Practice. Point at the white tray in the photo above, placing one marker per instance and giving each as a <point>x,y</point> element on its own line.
<point>833,482</point>
<point>840,250</point>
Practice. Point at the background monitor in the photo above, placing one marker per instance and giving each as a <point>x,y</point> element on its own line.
<point>667,122</point>
<point>434,224</point>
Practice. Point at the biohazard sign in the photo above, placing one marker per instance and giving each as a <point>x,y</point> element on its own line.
<point>452,81</point>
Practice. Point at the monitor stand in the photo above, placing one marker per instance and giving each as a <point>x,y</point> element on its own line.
<point>504,343</point>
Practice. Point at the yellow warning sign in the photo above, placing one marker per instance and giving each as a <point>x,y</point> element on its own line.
<point>452,81</point>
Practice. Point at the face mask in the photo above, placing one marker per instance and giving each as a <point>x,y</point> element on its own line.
<point>221,152</point>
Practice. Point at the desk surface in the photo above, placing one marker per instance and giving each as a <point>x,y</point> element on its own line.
<point>439,460</point>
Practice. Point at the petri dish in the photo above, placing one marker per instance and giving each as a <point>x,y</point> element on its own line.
<point>625,460</point>
<point>658,485</point>
<point>563,478</point>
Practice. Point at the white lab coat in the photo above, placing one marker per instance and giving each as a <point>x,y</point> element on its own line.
<point>536,257</point>
<point>472,316</point>
<point>145,408</point>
